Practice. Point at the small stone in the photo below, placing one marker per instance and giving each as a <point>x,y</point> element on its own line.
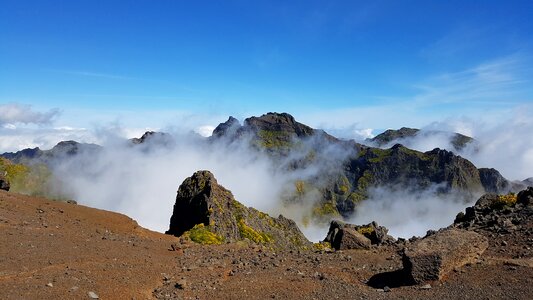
<point>92,295</point>
<point>426,287</point>
<point>50,284</point>
<point>386,289</point>
<point>181,284</point>
<point>504,243</point>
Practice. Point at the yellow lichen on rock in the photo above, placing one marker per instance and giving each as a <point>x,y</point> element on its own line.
<point>202,235</point>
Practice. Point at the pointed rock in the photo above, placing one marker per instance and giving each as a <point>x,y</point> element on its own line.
<point>208,213</point>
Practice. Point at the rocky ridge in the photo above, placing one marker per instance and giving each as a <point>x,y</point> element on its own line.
<point>360,167</point>
<point>391,136</point>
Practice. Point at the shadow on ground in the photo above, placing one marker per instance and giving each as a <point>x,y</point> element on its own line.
<point>391,279</point>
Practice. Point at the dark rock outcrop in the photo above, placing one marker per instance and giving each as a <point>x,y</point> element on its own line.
<point>525,197</point>
<point>436,255</point>
<point>208,213</point>
<point>159,138</point>
<point>4,183</point>
<point>497,213</point>
<point>228,128</point>
<point>348,236</point>
<point>493,181</point>
<point>343,237</point>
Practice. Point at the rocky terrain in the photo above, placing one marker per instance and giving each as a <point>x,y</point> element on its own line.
<point>58,250</point>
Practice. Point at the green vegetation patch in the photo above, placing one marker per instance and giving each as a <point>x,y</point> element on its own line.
<point>378,155</point>
<point>31,180</point>
<point>325,210</point>
<point>420,155</point>
<point>504,201</point>
<point>322,246</point>
<point>201,234</point>
<point>365,230</point>
<point>251,234</point>
<point>274,139</point>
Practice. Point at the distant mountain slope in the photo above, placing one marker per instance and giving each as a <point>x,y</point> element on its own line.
<point>60,151</point>
<point>391,136</point>
<point>338,173</point>
<point>348,180</point>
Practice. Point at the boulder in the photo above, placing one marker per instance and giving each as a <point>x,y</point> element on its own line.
<point>525,197</point>
<point>348,236</point>
<point>208,213</point>
<point>343,237</point>
<point>434,256</point>
<point>377,234</point>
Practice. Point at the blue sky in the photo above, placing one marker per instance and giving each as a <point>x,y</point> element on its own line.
<point>333,64</point>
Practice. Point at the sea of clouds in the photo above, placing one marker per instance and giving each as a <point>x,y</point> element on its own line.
<point>142,181</point>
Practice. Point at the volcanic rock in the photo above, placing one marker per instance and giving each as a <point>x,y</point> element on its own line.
<point>228,128</point>
<point>493,181</point>
<point>497,213</point>
<point>208,213</point>
<point>434,256</point>
<point>525,197</point>
<point>343,237</point>
<point>348,236</point>
<point>158,138</point>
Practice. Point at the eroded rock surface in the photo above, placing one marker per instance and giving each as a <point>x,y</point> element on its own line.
<point>348,236</point>
<point>434,256</point>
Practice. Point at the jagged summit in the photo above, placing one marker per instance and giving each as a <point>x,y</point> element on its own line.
<point>227,128</point>
<point>152,136</point>
<point>207,213</point>
<point>271,130</point>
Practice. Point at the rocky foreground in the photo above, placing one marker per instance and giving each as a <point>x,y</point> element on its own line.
<point>56,250</point>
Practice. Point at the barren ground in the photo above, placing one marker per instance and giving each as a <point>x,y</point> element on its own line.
<point>56,250</point>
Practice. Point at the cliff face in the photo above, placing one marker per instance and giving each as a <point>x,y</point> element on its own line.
<point>207,213</point>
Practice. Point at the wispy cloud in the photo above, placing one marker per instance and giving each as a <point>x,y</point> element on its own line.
<point>92,74</point>
<point>14,113</point>
<point>456,42</point>
<point>499,81</point>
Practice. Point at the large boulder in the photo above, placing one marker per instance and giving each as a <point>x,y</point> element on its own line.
<point>343,237</point>
<point>434,256</point>
<point>349,236</point>
<point>208,213</point>
<point>525,197</point>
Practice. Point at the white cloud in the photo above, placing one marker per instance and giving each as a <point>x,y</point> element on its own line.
<point>205,131</point>
<point>45,138</point>
<point>14,113</point>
